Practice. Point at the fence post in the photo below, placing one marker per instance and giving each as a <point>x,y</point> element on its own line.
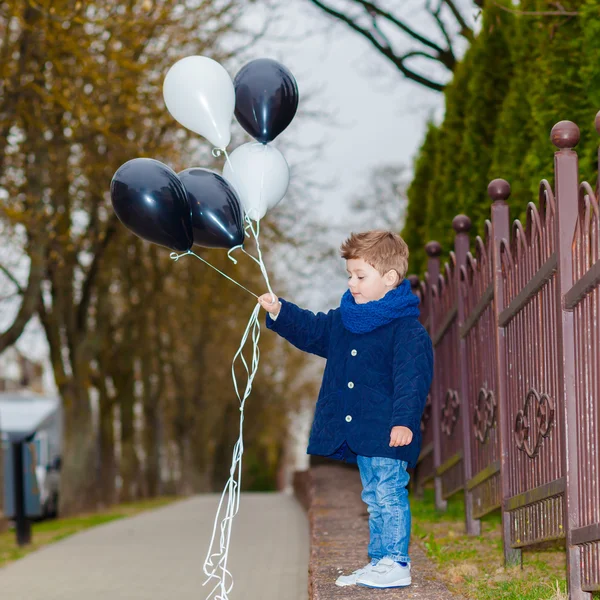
<point>565,136</point>
<point>462,225</point>
<point>414,283</point>
<point>417,488</point>
<point>434,250</point>
<point>499,191</point>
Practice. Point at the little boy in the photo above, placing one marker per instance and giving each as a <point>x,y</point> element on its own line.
<point>377,377</point>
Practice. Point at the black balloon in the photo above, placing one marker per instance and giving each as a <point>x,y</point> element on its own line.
<point>266,98</point>
<point>150,200</point>
<point>217,216</point>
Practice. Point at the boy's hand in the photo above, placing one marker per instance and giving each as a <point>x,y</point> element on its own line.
<point>270,302</point>
<point>400,436</point>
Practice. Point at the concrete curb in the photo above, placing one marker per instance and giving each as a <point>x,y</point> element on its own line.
<point>339,535</point>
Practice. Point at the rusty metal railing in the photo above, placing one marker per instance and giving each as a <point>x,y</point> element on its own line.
<point>513,417</point>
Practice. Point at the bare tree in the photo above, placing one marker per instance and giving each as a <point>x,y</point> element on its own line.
<point>382,205</point>
<point>371,20</point>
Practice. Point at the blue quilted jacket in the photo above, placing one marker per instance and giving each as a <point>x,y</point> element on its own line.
<point>372,382</point>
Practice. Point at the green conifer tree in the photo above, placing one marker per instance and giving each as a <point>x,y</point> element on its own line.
<point>415,226</point>
<point>514,131</point>
<point>443,198</point>
<point>556,92</point>
<point>489,77</point>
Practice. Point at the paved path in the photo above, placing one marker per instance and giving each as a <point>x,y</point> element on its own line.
<point>158,555</point>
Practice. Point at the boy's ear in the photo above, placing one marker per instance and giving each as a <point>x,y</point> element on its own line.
<point>392,278</point>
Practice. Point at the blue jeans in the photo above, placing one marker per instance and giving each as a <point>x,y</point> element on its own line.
<point>384,492</point>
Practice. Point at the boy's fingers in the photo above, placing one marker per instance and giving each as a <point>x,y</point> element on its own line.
<point>400,438</point>
<point>266,299</point>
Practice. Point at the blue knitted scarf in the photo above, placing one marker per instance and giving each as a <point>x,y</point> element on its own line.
<point>362,318</point>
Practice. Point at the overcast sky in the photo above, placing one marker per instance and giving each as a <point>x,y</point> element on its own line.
<point>378,116</point>
<point>372,116</point>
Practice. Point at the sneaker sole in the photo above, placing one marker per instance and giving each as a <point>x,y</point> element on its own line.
<point>393,584</point>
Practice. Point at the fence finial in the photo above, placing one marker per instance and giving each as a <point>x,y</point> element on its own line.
<point>565,135</point>
<point>414,281</point>
<point>498,190</point>
<point>433,249</point>
<point>461,224</point>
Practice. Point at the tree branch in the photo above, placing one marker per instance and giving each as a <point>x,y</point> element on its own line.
<point>446,57</point>
<point>388,52</point>
<point>418,53</point>
<point>92,273</point>
<point>373,8</point>
<point>542,13</point>
<point>51,328</point>
<point>12,278</point>
<point>465,30</point>
<point>378,30</point>
<point>30,296</point>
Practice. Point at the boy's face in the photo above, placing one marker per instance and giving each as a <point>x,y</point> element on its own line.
<point>365,283</point>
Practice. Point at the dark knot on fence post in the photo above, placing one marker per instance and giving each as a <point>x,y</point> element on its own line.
<point>433,249</point>
<point>461,224</point>
<point>414,282</point>
<point>499,190</point>
<point>565,135</point>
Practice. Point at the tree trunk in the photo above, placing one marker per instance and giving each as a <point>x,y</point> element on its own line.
<point>224,449</point>
<point>106,448</point>
<point>3,521</point>
<point>153,379</point>
<point>130,464</point>
<point>152,437</point>
<point>78,487</point>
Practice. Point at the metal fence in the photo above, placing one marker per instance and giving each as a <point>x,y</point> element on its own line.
<point>514,408</point>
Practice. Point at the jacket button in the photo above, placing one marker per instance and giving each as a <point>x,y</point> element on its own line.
<point>348,419</point>
<point>354,352</point>
<point>350,385</point>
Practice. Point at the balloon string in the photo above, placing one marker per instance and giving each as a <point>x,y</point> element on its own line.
<point>233,260</point>
<point>255,233</point>
<point>260,261</point>
<point>232,489</point>
<point>228,161</point>
<point>262,179</point>
<point>176,257</point>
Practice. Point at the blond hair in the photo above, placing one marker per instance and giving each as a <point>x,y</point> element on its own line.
<point>383,250</point>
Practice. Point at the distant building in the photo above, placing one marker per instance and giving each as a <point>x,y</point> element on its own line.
<point>37,419</point>
<point>26,412</point>
<point>17,372</point>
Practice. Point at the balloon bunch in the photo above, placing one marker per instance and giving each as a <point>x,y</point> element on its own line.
<point>204,208</point>
<point>199,206</point>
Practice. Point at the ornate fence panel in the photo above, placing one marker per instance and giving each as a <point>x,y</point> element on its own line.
<point>425,470</point>
<point>585,303</point>
<point>516,335</point>
<point>580,276</point>
<point>534,402</point>
<point>478,332</point>
<point>446,383</point>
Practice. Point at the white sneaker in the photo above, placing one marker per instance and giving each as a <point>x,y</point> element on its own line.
<point>387,574</point>
<point>344,580</point>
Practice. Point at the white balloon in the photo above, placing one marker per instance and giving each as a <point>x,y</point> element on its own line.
<point>199,93</point>
<point>260,175</point>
